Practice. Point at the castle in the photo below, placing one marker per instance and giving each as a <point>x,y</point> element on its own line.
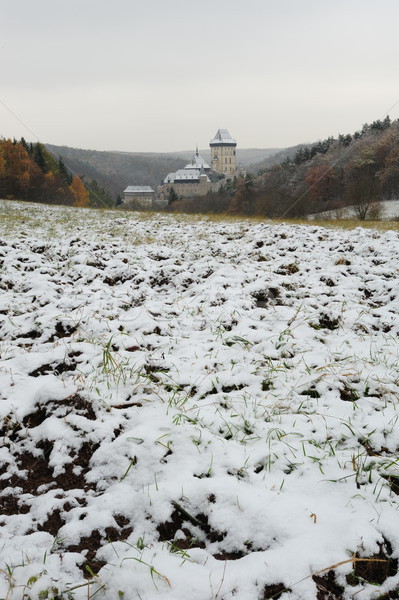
<point>197,178</point>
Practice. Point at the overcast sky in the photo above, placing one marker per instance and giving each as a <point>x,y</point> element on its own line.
<point>163,75</point>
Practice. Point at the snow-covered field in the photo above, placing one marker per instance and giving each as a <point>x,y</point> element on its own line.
<point>196,409</point>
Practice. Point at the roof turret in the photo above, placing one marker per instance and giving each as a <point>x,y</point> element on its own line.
<point>197,162</point>
<point>183,175</point>
<point>222,138</point>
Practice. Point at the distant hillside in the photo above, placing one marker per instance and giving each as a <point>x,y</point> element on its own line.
<point>116,170</point>
<point>29,172</point>
<point>274,158</point>
<point>245,156</point>
<point>358,170</point>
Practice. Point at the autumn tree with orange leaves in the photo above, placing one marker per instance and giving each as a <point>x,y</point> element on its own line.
<point>28,171</point>
<point>79,192</point>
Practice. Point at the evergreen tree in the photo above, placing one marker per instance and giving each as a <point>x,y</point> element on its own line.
<point>38,156</point>
<point>24,144</point>
<point>172,196</point>
<point>99,196</point>
<point>64,172</point>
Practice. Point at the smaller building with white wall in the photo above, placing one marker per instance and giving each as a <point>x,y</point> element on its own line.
<point>138,196</point>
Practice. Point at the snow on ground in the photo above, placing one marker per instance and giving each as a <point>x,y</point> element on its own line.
<point>390,209</point>
<point>196,409</point>
<point>389,212</point>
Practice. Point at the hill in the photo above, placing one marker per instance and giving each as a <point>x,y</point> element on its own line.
<point>116,170</point>
<point>29,172</point>
<point>356,170</point>
<point>274,158</point>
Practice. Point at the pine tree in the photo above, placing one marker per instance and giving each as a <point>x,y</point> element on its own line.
<point>98,195</point>
<point>38,156</point>
<point>172,196</point>
<point>64,173</point>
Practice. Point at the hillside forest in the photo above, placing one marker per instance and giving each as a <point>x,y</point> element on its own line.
<point>357,170</point>
<point>116,170</point>
<point>29,172</point>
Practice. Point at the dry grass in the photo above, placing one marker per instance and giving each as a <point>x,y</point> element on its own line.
<point>13,218</point>
<point>327,223</point>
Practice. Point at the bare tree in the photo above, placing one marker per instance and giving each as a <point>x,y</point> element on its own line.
<point>362,194</point>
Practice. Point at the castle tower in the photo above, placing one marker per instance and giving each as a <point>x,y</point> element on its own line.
<point>223,153</point>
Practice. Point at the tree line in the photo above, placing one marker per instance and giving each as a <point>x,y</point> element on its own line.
<point>116,170</point>
<point>29,172</point>
<point>355,170</point>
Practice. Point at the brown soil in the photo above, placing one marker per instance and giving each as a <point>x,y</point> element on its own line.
<point>273,591</point>
<point>92,543</point>
<point>377,571</point>
<point>327,587</point>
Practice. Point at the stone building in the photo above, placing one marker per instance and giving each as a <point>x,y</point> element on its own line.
<point>138,196</point>
<point>197,178</point>
<point>191,181</point>
<point>223,153</point>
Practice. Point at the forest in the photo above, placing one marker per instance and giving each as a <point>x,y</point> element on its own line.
<point>116,170</point>
<point>28,171</point>
<point>356,170</point>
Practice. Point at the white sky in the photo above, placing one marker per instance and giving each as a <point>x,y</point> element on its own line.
<point>164,75</point>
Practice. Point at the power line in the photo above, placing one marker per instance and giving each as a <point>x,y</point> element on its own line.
<point>331,167</point>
